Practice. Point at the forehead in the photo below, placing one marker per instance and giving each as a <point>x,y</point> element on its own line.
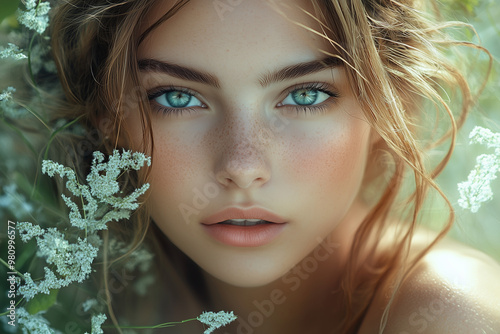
<point>242,34</point>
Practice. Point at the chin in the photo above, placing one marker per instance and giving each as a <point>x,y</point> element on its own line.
<point>245,277</point>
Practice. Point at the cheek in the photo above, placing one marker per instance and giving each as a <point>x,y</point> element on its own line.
<point>331,160</point>
<point>175,166</point>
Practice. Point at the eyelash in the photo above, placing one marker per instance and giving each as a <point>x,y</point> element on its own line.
<point>311,109</point>
<point>171,111</point>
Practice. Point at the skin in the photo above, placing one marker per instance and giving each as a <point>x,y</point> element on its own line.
<point>246,145</point>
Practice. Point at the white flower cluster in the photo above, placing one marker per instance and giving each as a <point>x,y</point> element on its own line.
<point>72,261</point>
<point>477,188</point>
<point>97,321</point>
<point>140,259</point>
<point>13,200</point>
<point>12,51</point>
<point>9,107</point>
<point>27,231</point>
<point>33,323</point>
<point>89,304</point>
<point>101,189</point>
<point>7,93</point>
<point>215,320</point>
<point>35,17</point>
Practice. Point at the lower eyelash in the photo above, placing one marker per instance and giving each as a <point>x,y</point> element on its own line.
<point>173,111</point>
<point>315,109</point>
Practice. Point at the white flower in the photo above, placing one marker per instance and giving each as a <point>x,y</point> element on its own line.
<point>477,188</point>
<point>215,320</point>
<point>72,263</point>
<point>14,201</point>
<point>73,260</point>
<point>89,303</point>
<point>7,105</point>
<point>27,230</point>
<point>97,321</point>
<point>484,136</point>
<point>101,191</point>
<point>33,323</point>
<point>12,51</point>
<point>35,17</point>
<point>7,93</point>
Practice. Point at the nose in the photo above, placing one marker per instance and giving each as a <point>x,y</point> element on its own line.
<point>243,162</point>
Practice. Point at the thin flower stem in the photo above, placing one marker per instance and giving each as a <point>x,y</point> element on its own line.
<point>6,264</point>
<point>37,115</point>
<point>17,304</point>
<point>23,137</point>
<point>164,325</point>
<point>32,76</point>
<point>55,132</point>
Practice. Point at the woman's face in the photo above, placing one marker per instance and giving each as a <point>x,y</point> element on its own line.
<point>248,125</point>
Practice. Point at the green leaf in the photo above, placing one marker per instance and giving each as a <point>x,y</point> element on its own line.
<point>8,8</point>
<point>41,302</point>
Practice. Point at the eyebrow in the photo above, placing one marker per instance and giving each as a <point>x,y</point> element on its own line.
<point>286,73</point>
<point>299,70</point>
<point>181,72</point>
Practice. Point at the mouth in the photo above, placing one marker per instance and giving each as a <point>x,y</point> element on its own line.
<point>238,227</point>
<point>243,217</point>
<point>245,222</point>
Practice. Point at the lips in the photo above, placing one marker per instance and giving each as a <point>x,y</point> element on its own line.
<point>236,214</point>
<point>245,222</point>
<point>244,228</point>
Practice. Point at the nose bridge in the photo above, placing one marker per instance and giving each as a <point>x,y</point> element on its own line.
<point>243,151</point>
<point>243,154</point>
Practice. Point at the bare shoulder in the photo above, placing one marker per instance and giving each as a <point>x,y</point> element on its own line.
<point>454,289</point>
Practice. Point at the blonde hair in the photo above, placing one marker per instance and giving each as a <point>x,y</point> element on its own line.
<point>393,56</point>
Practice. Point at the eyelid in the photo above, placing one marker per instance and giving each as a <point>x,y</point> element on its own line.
<point>158,91</point>
<point>320,86</point>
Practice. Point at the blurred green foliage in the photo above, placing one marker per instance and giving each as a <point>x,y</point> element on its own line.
<point>8,8</point>
<point>466,6</point>
<point>480,230</point>
<point>41,302</point>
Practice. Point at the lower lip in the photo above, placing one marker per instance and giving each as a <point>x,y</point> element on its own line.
<point>244,236</point>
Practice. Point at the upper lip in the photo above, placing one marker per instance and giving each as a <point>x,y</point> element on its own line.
<point>238,213</point>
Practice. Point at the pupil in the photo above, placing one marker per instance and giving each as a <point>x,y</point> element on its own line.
<point>305,96</point>
<point>178,99</point>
